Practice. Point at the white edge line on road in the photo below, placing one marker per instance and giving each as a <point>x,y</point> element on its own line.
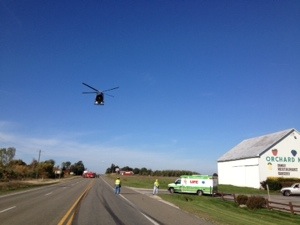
<point>151,220</point>
<point>7,209</point>
<point>153,196</point>
<point>148,218</point>
<point>48,193</point>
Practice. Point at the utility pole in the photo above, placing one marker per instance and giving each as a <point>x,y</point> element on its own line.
<point>37,166</point>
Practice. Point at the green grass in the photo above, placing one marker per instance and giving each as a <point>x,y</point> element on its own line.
<point>215,209</point>
<point>9,187</point>
<point>225,212</point>
<point>144,181</point>
<point>243,190</point>
<point>15,185</point>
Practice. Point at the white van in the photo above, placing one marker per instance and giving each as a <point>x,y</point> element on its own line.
<point>197,184</point>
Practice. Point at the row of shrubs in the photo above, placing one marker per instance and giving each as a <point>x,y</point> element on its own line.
<point>276,183</point>
<point>252,202</point>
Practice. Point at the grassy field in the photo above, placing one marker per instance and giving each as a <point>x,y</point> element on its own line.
<point>214,209</point>
<point>147,182</point>
<point>144,181</point>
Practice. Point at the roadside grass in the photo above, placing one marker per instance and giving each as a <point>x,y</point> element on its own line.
<point>215,209</point>
<point>224,212</point>
<point>143,181</point>
<point>12,186</point>
<point>8,187</point>
<point>244,190</point>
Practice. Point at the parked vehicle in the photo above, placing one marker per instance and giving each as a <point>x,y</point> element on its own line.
<point>197,184</point>
<point>293,190</point>
<point>87,174</point>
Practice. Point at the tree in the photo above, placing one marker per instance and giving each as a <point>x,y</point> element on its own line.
<point>136,170</point>
<point>108,171</point>
<point>50,161</point>
<point>20,171</point>
<point>34,163</point>
<point>113,169</point>
<point>6,155</point>
<point>66,165</point>
<point>126,168</point>
<point>46,169</point>
<point>78,168</point>
<point>144,171</point>
<point>15,162</point>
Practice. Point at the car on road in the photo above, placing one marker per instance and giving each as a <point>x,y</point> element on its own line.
<point>292,190</point>
<point>89,175</point>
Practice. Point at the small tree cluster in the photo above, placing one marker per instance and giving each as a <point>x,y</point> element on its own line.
<point>256,202</point>
<point>148,172</point>
<point>252,202</point>
<point>11,168</point>
<point>242,199</point>
<point>77,168</point>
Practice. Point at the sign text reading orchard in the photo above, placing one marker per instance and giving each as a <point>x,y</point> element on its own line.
<point>283,159</point>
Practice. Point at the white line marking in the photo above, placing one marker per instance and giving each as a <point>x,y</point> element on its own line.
<point>130,203</point>
<point>48,193</point>
<point>7,209</point>
<point>151,220</point>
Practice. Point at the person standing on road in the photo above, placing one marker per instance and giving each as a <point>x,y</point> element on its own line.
<point>117,186</point>
<point>156,187</point>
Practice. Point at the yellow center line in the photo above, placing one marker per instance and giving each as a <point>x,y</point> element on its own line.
<point>69,216</point>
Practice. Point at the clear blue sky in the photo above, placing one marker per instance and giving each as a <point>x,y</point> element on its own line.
<point>195,77</point>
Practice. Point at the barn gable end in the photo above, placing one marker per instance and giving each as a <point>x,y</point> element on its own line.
<point>255,159</point>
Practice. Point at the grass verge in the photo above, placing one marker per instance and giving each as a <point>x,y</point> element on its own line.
<point>215,209</point>
<point>225,212</point>
<point>14,186</point>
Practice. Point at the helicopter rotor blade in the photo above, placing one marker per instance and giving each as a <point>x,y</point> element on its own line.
<point>109,95</point>
<point>89,92</point>
<point>91,87</point>
<point>110,89</point>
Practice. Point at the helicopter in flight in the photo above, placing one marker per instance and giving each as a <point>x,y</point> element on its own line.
<point>99,100</point>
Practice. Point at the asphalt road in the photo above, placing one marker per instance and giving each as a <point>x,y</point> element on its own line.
<point>284,199</point>
<point>44,205</point>
<point>131,207</point>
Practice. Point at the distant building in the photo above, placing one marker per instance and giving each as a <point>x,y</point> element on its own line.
<point>254,160</point>
<point>126,173</point>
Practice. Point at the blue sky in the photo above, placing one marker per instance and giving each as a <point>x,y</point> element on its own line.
<point>195,77</point>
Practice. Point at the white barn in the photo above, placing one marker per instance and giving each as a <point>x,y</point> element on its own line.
<point>254,160</point>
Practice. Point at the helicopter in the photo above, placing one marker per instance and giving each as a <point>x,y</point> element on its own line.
<point>99,100</point>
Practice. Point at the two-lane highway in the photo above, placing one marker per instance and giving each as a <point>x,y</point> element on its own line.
<point>51,204</point>
<point>102,206</point>
<point>44,205</point>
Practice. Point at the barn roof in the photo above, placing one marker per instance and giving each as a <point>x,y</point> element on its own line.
<point>255,147</point>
